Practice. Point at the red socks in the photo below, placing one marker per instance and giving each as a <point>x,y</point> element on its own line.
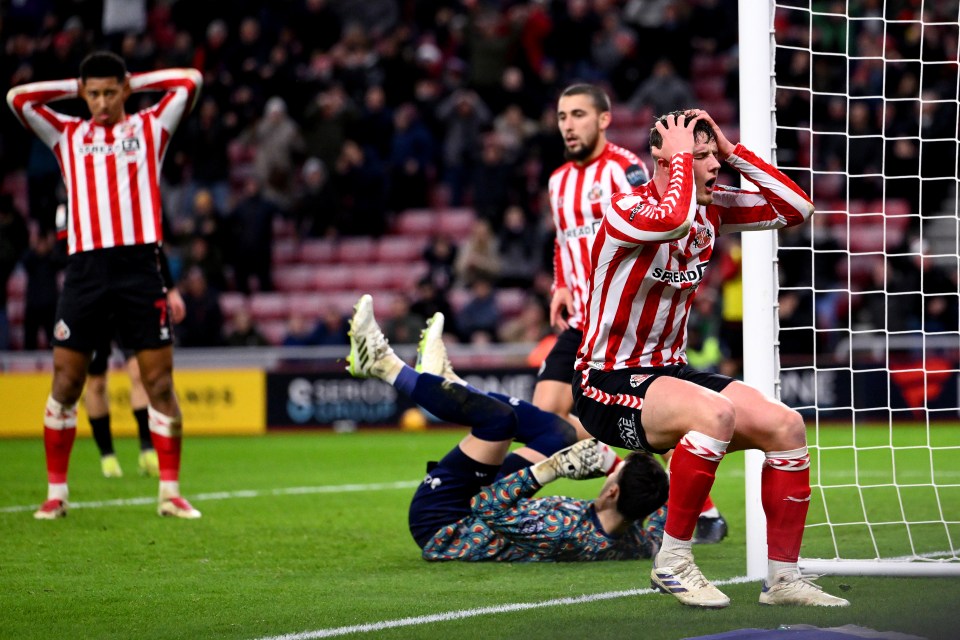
<point>166,433</point>
<point>693,469</point>
<point>59,432</point>
<point>785,494</point>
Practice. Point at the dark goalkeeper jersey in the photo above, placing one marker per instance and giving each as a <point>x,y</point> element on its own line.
<point>508,524</point>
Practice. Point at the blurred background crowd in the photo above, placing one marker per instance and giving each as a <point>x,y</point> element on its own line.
<point>403,147</point>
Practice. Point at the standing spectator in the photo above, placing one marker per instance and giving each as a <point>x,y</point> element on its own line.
<point>411,160</point>
<point>315,207</point>
<point>664,91</point>
<point>441,258</point>
<point>360,181</point>
<point>43,264</point>
<point>518,249</point>
<point>252,224</point>
<point>206,139</point>
<point>113,268</point>
<point>463,116</point>
<point>277,144</point>
<point>203,324</point>
<point>14,239</point>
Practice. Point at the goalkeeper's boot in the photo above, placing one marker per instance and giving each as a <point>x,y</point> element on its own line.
<point>679,576</point>
<point>794,589</point>
<point>432,353</point>
<point>51,510</point>
<point>110,466</point>
<point>710,530</point>
<point>177,508</point>
<point>148,463</point>
<point>370,354</point>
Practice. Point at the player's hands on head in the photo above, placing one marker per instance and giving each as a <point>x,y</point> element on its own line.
<point>577,462</point>
<point>724,146</point>
<point>677,134</point>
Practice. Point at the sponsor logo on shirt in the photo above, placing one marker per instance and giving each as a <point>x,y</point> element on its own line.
<point>583,231</point>
<point>636,175</point>
<point>687,276</point>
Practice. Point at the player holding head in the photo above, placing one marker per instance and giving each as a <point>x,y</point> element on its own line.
<point>635,388</point>
<point>482,487</point>
<point>111,167</point>
<point>580,193</point>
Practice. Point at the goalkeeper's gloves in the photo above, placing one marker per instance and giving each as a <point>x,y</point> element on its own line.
<point>582,460</point>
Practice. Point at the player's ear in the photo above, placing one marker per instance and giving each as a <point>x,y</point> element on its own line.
<point>604,120</point>
<point>126,87</point>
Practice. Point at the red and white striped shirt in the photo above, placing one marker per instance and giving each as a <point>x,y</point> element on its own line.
<point>651,253</point>
<point>579,197</point>
<point>112,174</point>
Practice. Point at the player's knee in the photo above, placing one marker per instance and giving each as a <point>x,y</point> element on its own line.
<point>158,385</point>
<point>793,431</point>
<point>67,385</point>
<point>722,419</point>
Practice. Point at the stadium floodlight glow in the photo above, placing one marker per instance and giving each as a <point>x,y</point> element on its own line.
<point>861,108</point>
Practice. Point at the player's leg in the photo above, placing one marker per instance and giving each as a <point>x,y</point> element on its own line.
<point>656,412</point>
<point>552,392</point>
<point>60,427</point>
<point>147,462</point>
<point>711,525</point>
<point>144,325</point>
<point>778,431</point>
<point>98,411</point>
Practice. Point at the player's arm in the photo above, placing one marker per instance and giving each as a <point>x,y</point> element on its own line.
<point>181,89</point>
<point>562,299</point>
<point>178,308</point>
<point>28,102</point>
<point>634,218</point>
<point>780,202</point>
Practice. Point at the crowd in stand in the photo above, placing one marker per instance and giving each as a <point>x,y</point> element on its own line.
<point>331,118</point>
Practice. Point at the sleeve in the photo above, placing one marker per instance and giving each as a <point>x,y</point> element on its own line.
<point>182,87</point>
<point>635,218</point>
<point>780,202</point>
<point>28,102</point>
<point>506,508</point>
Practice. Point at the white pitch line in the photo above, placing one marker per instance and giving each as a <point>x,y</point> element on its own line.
<point>229,495</point>
<point>472,613</point>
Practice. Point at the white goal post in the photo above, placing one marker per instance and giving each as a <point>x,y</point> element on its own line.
<point>873,365</point>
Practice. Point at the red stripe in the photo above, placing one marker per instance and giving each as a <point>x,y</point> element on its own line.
<point>619,327</point>
<point>113,186</point>
<point>135,202</point>
<point>578,190</point>
<point>93,209</point>
<point>151,154</point>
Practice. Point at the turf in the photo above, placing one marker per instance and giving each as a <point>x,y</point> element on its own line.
<point>297,537</point>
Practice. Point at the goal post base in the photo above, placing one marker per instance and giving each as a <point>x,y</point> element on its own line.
<point>889,568</point>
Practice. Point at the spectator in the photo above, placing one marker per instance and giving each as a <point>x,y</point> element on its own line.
<point>43,263</point>
<point>244,332</point>
<point>361,183</point>
<point>428,299</point>
<point>315,206</point>
<point>203,324</point>
<point>206,140</point>
<point>332,328</point>
<point>530,325</point>
<point>479,319</point>
<point>411,160</point>
<point>519,250</point>
<point>441,258</point>
<point>277,144</point>
<point>14,240</point>
<point>492,181</point>
<point>299,331</point>
<point>664,91</point>
<point>401,325</point>
<point>479,255</point>
<point>463,115</point>
<point>252,224</point>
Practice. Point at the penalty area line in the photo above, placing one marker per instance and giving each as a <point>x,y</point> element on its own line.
<point>472,613</point>
<point>230,495</point>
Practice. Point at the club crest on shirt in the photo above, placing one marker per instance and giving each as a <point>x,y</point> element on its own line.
<point>702,237</point>
<point>595,193</point>
<point>638,379</point>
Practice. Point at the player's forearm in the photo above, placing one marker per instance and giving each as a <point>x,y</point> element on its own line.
<point>21,96</point>
<point>504,494</point>
<point>166,80</point>
<point>784,195</point>
<point>633,219</point>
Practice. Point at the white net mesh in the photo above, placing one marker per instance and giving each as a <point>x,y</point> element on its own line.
<point>867,121</point>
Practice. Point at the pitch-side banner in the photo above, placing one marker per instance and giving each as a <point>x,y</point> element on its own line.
<point>213,402</point>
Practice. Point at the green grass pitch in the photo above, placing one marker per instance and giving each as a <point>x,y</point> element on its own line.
<point>304,535</point>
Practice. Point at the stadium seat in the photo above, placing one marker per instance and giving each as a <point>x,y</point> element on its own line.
<point>266,305</point>
<point>396,248</point>
<point>333,277</point>
<point>15,309</point>
<point>417,222</point>
<point>372,277</point>
<point>633,139</point>
<point>307,304</point>
<point>273,330</point>
<point>707,65</point>
<point>317,251</point>
<point>359,250</point>
<point>284,251</point>
<point>722,111</point>
<point>710,87</point>
<point>17,284</point>
<point>456,223</point>
<point>294,277</point>
<point>231,302</point>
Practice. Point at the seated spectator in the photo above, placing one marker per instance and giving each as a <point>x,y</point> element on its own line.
<point>532,324</point>
<point>315,206</point>
<point>440,256</point>
<point>479,319</point>
<point>299,331</point>
<point>428,299</point>
<point>479,255</point>
<point>332,328</point>
<point>203,324</point>
<point>245,333</point>
<point>401,325</point>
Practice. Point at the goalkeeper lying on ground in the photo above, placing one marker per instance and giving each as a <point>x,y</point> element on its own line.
<point>477,503</point>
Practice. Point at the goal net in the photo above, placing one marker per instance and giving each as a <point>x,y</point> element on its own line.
<point>864,98</point>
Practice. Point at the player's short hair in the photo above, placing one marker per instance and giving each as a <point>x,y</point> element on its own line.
<point>643,486</point>
<point>599,97</point>
<point>103,64</point>
<point>702,131</point>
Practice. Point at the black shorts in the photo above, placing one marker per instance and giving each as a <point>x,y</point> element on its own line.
<point>559,362</point>
<point>610,403</point>
<point>116,292</point>
<point>101,358</point>
<point>445,493</point>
